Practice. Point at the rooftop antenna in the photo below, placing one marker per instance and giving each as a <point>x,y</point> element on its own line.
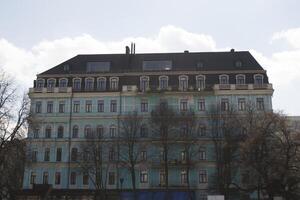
<point>133,48</point>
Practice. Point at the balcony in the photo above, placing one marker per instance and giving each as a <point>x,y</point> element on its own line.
<point>51,90</point>
<point>243,87</point>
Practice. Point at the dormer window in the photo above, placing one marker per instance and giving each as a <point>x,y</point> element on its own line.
<point>200,65</point>
<point>163,82</point>
<point>51,83</point>
<point>240,79</point>
<point>114,83</point>
<point>89,84</point>
<point>183,82</point>
<point>77,83</point>
<point>101,84</point>
<point>258,79</point>
<point>144,83</point>
<point>200,82</point>
<point>238,63</point>
<point>63,83</point>
<point>224,79</point>
<point>40,83</point>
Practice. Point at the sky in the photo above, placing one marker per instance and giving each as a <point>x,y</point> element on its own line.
<point>36,35</point>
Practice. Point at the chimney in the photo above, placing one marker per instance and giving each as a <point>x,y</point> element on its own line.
<point>232,50</point>
<point>127,50</point>
<point>186,51</point>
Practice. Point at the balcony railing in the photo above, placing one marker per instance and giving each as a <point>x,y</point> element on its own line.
<point>242,87</point>
<point>51,90</point>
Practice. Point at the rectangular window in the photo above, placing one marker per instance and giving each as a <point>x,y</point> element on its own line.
<point>97,66</point>
<point>201,104</point>
<point>49,107</point>
<point>76,106</point>
<point>45,177</point>
<point>242,104</point>
<point>57,178</point>
<point>260,104</point>
<point>73,178</point>
<point>34,156</point>
<point>61,107</point>
<point>202,176</point>
<point>88,106</point>
<point>144,106</point>
<point>162,155</point>
<point>202,154</point>
<point>224,105</point>
<point>100,105</point>
<point>48,132</point>
<point>36,132</point>
<point>111,178</point>
<point>33,178</point>
<point>157,65</point>
<point>85,179</point>
<point>183,105</point>
<point>144,176</point>
<point>143,155</point>
<point>202,130</point>
<point>58,154</point>
<point>111,155</point>
<point>38,107</point>
<point>183,177</point>
<point>113,106</point>
<point>47,154</point>
<point>183,156</point>
<point>162,177</point>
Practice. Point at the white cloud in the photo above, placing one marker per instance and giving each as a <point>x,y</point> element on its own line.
<point>283,67</point>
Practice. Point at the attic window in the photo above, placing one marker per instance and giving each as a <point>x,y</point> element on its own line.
<point>157,65</point>
<point>66,67</point>
<point>238,63</point>
<point>98,66</point>
<point>200,65</point>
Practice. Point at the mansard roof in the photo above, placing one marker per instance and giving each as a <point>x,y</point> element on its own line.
<point>186,61</point>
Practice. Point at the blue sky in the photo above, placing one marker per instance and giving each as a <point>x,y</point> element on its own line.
<point>38,34</point>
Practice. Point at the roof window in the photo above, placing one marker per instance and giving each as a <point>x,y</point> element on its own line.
<point>157,65</point>
<point>98,66</point>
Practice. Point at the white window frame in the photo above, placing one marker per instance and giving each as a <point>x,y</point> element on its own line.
<point>143,87</point>
<point>221,78</point>
<point>86,81</point>
<point>62,79</point>
<point>182,86</point>
<point>112,85</point>
<point>98,81</point>
<point>258,75</point>
<point>73,83</point>
<point>43,82</point>
<point>198,83</point>
<point>54,83</point>
<point>237,78</point>
<point>167,82</point>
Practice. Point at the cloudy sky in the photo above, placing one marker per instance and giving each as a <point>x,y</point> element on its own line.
<point>38,34</point>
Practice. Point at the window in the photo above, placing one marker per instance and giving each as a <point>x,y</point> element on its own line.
<point>101,84</point>
<point>100,105</point>
<point>36,132</point>
<point>143,155</point>
<point>73,178</point>
<point>85,179</point>
<point>201,104</point>
<point>183,83</point>
<point>75,132</point>
<point>51,83</point>
<point>50,107</point>
<point>240,79</point>
<point>202,176</point>
<point>157,65</point>
<point>45,177</point>
<point>183,177</point>
<point>114,81</point>
<point>33,178</point>
<point>183,105</point>
<point>74,153</point>
<point>100,131</point>
<point>144,176</point>
<point>183,130</point>
<point>238,63</point>
<point>144,131</point>
<point>260,104</point>
<point>97,66</point>
<point>224,79</point>
<point>58,154</point>
<point>241,104</point>
<point>258,79</point>
<point>202,197</point>
<point>89,84</point>
<point>202,153</point>
<point>113,131</point>
<point>47,154</point>
<point>57,178</point>
<point>202,130</point>
<point>183,156</point>
<point>40,83</point>
<point>200,82</point>
<point>111,154</point>
<point>144,83</point>
<point>162,177</point>
<point>60,132</point>
<point>111,178</point>
<point>162,155</point>
<point>77,84</point>
<point>63,83</point>
<point>163,82</point>
<point>61,107</point>
<point>224,105</point>
<point>38,107</point>
<point>200,65</point>
<point>88,106</point>
<point>144,105</point>
<point>88,131</point>
<point>34,154</point>
<point>48,132</point>
<point>76,106</point>
<point>113,106</point>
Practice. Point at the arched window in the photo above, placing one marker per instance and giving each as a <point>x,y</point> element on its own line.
<point>163,82</point>
<point>100,131</point>
<point>200,82</point>
<point>60,132</point>
<point>75,131</point>
<point>240,79</point>
<point>144,83</point>
<point>51,83</point>
<point>40,83</point>
<point>113,131</point>
<point>89,84</point>
<point>76,83</point>
<point>144,131</point>
<point>258,79</point>
<point>224,79</point>
<point>74,153</point>
<point>114,83</point>
<point>63,82</point>
<point>183,82</point>
<point>48,132</point>
<point>88,131</point>
<point>101,84</point>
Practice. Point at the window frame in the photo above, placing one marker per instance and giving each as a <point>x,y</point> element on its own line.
<point>226,76</point>
<point>103,86</point>
<point>183,82</point>
<point>199,85</point>
<point>161,81</point>
<point>144,83</point>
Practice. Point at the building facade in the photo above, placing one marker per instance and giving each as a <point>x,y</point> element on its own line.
<point>89,94</point>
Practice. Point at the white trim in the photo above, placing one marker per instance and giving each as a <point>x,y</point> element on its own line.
<point>238,75</point>
<point>223,75</point>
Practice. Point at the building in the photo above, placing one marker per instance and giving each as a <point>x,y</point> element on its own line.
<point>90,93</point>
